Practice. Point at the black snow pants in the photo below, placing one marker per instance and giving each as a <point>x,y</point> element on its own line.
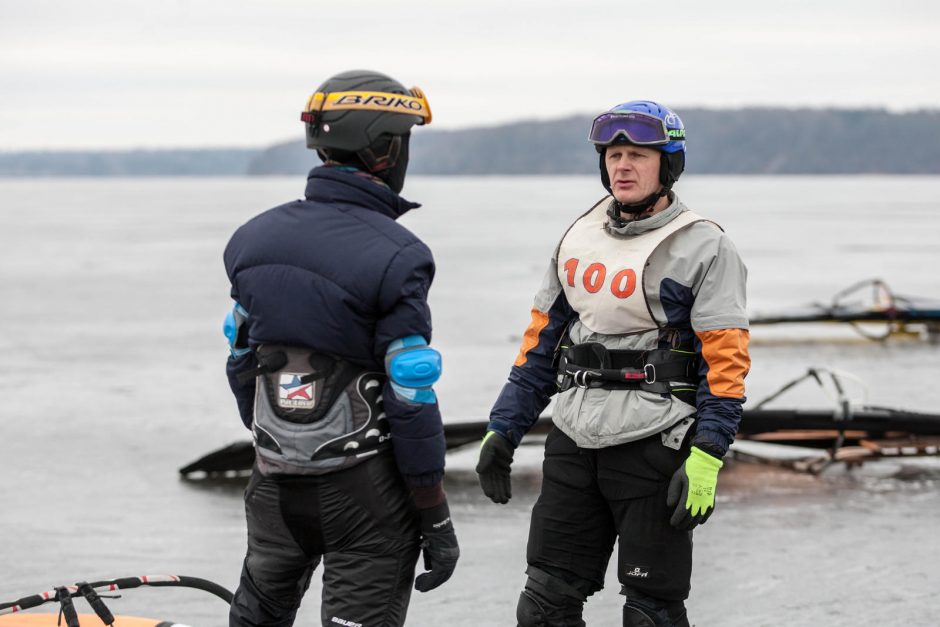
<point>591,498</point>
<point>361,522</point>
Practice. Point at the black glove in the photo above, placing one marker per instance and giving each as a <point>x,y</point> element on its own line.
<point>493,467</point>
<point>439,544</point>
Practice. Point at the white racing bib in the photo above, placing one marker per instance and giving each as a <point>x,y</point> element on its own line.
<point>602,274</point>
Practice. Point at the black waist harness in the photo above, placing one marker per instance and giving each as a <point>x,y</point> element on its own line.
<point>329,377</point>
<point>660,371</point>
<point>314,413</point>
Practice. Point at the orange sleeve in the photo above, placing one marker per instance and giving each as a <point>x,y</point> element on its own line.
<point>725,353</point>
<point>531,337</point>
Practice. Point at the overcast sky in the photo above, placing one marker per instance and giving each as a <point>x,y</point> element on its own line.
<point>160,73</point>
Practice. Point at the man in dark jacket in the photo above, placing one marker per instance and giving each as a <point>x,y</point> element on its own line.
<point>332,371</point>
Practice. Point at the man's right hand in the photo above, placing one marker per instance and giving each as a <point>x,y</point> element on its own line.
<point>439,545</point>
<point>495,458</point>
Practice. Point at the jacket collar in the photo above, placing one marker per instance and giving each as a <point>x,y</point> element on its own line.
<point>333,185</point>
<point>653,222</point>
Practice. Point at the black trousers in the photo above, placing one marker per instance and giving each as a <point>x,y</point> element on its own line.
<point>592,497</point>
<point>362,523</point>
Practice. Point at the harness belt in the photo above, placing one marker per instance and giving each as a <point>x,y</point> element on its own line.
<point>267,363</point>
<point>315,413</point>
<point>593,365</point>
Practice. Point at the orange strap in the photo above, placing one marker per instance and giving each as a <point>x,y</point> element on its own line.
<point>414,104</point>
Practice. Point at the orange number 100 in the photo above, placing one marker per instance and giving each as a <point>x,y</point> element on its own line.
<point>622,285</point>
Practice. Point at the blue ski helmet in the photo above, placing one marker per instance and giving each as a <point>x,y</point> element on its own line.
<point>642,123</point>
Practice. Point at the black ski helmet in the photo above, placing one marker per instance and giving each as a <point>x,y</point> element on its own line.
<point>365,118</point>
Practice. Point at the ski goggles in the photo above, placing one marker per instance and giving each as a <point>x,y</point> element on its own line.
<point>414,104</point>
<point>638,128</point>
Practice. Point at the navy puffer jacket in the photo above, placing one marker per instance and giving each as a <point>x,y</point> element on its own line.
<point>336,273</point>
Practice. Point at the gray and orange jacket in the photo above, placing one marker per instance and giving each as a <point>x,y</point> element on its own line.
<point>691,297</point>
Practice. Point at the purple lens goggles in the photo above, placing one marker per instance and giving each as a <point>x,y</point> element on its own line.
<point>638,128</point>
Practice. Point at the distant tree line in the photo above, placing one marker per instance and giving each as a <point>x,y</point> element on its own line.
<point>721,141</point>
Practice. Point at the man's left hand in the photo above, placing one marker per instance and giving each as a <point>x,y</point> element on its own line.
<point>692,490</point>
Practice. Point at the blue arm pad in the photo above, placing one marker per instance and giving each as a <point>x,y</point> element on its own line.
<point>235,329</point>
<point>413,367</point>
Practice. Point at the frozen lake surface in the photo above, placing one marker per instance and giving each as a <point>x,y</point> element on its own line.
<point>113,296</point>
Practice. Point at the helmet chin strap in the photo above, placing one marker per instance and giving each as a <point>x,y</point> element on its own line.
<point>389,166</point>
<point>617,208</point>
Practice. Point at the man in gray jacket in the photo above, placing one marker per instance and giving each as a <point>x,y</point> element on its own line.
<point>640,327</point>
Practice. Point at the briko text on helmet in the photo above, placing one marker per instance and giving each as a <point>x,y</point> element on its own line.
<point>389,101</point>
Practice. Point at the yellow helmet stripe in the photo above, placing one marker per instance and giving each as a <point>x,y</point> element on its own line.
<point>416,104</point>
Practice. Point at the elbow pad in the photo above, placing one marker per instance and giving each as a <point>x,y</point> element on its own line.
<point>235,329</point>
<point>413,367</point>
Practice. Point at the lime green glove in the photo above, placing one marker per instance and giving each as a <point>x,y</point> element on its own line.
<point>692,490</point>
